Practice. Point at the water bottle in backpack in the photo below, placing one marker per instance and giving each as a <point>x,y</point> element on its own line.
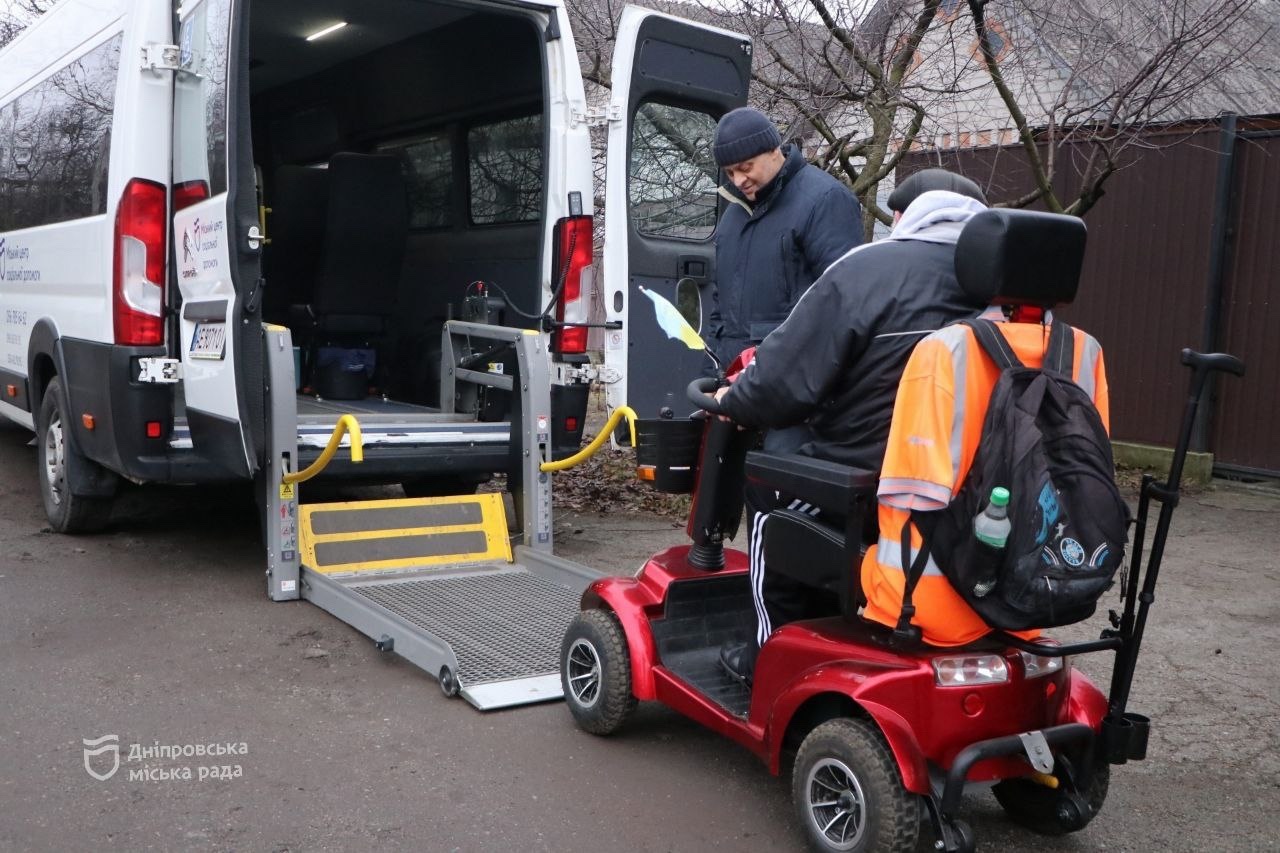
<point>991,529</point>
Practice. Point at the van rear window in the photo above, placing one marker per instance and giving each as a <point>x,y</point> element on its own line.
<point>672,181</point>
<point>504,160</point>
<point>56,141</point>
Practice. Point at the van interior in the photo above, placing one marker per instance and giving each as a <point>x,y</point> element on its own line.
<point>399,161</point>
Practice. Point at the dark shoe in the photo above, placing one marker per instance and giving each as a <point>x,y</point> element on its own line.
<point>739,660</point>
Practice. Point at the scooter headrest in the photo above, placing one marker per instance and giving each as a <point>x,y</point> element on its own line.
<point>1021,257</point>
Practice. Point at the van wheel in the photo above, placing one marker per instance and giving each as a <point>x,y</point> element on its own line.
<point>848,792</point>
<point>60,464</point>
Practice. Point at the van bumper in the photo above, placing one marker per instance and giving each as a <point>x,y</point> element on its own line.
<point>110,411</point>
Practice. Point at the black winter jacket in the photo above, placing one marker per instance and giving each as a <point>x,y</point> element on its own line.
<point>837,359</point>
<point>767,255</point>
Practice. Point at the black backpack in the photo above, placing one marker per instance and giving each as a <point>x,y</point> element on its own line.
<point>1044,441</point>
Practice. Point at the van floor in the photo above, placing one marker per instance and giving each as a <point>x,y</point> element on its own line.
<point>311,405</point>
<point>383,422</point>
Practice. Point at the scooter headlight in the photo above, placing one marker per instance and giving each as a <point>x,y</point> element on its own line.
<point>969,670</point>
<point>1035,666</point>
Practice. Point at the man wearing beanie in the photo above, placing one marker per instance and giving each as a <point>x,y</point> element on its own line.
<point>788,221</point>
<point>835,363</point>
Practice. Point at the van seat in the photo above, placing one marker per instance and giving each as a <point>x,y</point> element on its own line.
<point>366,226</point>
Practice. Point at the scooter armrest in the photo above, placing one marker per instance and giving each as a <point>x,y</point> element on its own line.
<point>829,485</point>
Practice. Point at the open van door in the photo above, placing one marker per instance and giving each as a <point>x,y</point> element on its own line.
<point>672,80</point>
<point>216,239</point>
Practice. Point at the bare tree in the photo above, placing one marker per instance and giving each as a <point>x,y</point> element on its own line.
<point>16,15</point>
<point>861,85</point>
<point>1124,67</point>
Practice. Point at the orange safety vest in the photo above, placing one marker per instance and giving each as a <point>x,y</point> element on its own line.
<point>937,423</point>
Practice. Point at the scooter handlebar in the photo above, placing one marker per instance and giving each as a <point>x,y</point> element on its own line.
<point>701,393</point>
<point>1212,361</point>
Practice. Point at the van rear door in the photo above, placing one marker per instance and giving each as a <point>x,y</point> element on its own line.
<point>672,79</point>
<point>215,239</point>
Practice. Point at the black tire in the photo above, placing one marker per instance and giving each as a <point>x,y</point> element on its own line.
<point>595,672</point>
<point>1035,806</point>
<point>67,511</point>
<point>848,792</point>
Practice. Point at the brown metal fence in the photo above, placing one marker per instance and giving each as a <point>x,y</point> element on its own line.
<point>1158,276</point>
<point>1246,427</point>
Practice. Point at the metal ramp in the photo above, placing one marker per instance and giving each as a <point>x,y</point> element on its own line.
<point>432,580</point>
<point>436,580</point>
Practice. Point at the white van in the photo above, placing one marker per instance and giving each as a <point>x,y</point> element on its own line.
<point>172,179</point>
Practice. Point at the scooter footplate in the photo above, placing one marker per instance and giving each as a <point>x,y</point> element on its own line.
<point>701,669</point>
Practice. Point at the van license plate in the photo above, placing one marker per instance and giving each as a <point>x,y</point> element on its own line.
<point>209,340</point>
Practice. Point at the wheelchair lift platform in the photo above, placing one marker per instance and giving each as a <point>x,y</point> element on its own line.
<point>436,580</point>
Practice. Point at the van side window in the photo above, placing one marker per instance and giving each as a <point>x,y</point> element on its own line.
<point>428,172</point>
<point>504,160</point>
<point>57,141</point>
<point>200,98</point>
<point>672,180</point>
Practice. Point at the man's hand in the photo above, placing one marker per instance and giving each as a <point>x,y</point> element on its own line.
<point>720,392</point>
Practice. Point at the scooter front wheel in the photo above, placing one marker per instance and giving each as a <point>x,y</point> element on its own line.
<point>595,672</point>
<point>848,792</point>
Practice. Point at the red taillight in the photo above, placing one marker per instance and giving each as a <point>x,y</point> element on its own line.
<point>573,250</point>
<point>138,281</point>
<point>188,193</point>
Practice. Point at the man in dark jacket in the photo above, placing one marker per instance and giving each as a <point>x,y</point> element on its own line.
<point>834,364</point>
<point>788,221</point>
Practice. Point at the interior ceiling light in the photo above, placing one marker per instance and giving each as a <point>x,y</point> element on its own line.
<point>329,29</point>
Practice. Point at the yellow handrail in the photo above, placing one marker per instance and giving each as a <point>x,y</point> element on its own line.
<point>587,452</point>
<point>347,424</point>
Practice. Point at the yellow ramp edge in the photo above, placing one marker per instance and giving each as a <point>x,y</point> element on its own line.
<point>380,535</point>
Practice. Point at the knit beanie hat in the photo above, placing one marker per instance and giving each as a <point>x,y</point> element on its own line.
<point>932,179</point>
<point>742,134</point>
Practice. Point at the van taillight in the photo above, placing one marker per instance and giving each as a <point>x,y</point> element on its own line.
<point>138,280</point>
<point>188,193</point>
<point>573,249</point>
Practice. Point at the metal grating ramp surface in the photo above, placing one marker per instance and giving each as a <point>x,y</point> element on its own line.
<point>504,626</point>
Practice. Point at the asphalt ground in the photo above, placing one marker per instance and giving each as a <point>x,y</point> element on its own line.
<point>159,632</point>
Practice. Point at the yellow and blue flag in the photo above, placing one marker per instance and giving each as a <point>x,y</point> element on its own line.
<point>671,321</point>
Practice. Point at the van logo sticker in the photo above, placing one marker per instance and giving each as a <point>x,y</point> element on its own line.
<point>184,43</point>
<point>200,242</point>
<point>14,263</point>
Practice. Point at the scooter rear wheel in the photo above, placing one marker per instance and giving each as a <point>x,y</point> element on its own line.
<point>1036,806</point>
<point>849,794</point>
<point>595,672</point>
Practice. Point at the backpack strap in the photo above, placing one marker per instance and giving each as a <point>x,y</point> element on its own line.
<point>912,571</point>
<point>1061,356</point>
<point>993,342</point>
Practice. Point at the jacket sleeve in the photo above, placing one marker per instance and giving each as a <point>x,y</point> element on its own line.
<point>797,365</point>
<point>834,227</point>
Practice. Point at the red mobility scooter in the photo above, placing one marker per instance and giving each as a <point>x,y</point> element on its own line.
<point>880,726</point>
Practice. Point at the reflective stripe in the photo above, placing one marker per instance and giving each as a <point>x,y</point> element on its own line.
<point>1089,366</point>
<point>908,494</point>
<point>957,338</point>
<point>889,556</point>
